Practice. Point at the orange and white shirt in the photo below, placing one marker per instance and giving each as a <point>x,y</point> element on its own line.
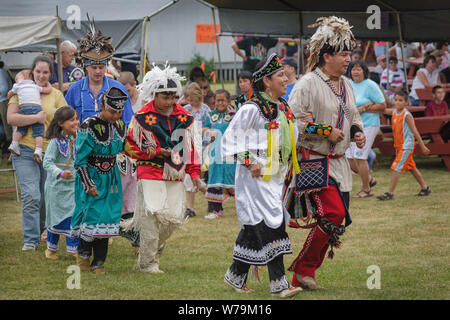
<point>403,135</point>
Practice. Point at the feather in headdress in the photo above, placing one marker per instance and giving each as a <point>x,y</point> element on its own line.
<point>93,46</point>
<point>332,31</point>
<point>157,80</point>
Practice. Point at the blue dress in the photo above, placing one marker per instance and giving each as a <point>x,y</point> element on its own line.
<point>97,145</point>
<point>221,174</point>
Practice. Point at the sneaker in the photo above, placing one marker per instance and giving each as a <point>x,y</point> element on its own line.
<point>214,215</point>
<point>28,247</point>
<point>424,192</point>
<point>14,148</point>
<point>51,255</point>
<point>189,213</point>
<point>287,293</point>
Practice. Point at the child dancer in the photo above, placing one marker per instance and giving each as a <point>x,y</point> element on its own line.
<point>60,182</point>
<point>404,131</point>
<point>98,188</point>
<point>221,174</point>
<point>29,103</point>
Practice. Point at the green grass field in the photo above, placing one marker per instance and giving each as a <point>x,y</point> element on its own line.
<point>406,238</point>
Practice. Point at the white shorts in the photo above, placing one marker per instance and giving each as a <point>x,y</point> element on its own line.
<point>353,152</point>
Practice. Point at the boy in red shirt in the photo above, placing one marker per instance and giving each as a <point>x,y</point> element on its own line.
<point>163,140</point>
<point>437,107</point>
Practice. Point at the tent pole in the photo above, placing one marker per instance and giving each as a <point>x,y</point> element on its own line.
<point>401,48</point>
<point>235,68</point>
<point>388,86</point>
<point>217,44</point>
<point>58,49</point>
<point>143,48</point>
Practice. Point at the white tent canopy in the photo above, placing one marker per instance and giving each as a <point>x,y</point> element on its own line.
<point>121,20</point>
<point>23,31</point>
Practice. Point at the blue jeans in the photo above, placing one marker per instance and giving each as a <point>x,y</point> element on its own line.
<point>413,101</point>
<point>31,176</point>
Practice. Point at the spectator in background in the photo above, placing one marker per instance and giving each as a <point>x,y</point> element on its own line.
<point>5,86</point>
<point>437,107</point>
<point>444,67</point>
<point>290,70</point>
<point>356,55</point>
<point>369,102</point>
<point>378,71</point>
<point>426,77</point>
<point>291,48</point>
<point>379,47</point>
<point>199,111</point>
<point>67,55</point>
<point>245,84</point>
<point>210,100</point>
<point>30,173</point>
<point>86,95</point>
<point>409,50</point>
<point>256,49</point>
<point>396,81</point>
<point>129,82</point>
<point>196,74</point>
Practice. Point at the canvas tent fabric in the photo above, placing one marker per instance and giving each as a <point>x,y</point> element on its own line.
<point>24,31</point>
<point>121,21</point>
<point>419,21</point>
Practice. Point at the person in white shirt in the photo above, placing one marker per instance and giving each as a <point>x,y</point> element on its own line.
<point>396,81</point>
<point>29,103</point>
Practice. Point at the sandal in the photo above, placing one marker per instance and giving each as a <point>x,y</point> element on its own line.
<point>363,194</point>
<point>386,196</point>
<point>424,192</point>
<point>372,182</point>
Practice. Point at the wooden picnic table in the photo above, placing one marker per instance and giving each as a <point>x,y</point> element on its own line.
<point>431,128</point>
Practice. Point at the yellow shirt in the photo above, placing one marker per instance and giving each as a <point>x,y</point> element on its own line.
<point>49,103</point>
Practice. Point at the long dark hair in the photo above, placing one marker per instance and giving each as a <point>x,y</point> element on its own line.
<point>62,114</point>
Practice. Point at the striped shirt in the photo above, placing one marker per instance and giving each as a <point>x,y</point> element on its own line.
<point>396,79</point>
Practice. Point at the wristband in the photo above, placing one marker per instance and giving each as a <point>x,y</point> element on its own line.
<point>318,130</point>
<point>62,174</point>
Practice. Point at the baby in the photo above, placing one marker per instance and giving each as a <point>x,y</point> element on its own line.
<point>29,103</point>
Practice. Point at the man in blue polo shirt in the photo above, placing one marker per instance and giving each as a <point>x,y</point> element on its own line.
<point>93,53</point>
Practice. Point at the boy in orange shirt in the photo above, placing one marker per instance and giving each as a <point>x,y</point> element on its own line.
<point>404,132</point>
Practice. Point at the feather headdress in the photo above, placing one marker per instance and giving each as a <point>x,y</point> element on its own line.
<point>333,34</point>
<point>94,47</point>
<point>160,80</point>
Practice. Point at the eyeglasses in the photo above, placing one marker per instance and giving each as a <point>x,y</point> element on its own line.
<point>205,87</point>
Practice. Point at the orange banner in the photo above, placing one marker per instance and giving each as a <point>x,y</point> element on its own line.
<point>205,33</point>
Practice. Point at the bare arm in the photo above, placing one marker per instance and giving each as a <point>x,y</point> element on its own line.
<point>47,89</point>
<point>19,120</point>
<point>377,107</point>
<point>388,111</point>
<point>236,49</point>
<point>424,80</point>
